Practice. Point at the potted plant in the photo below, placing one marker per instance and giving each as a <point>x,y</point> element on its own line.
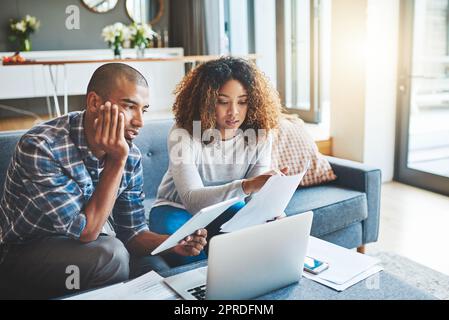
<point>115,35</point>
<point>141,37</point>
<point>22,29</point>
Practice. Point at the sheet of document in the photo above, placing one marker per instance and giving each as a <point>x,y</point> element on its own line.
<point>344,264</point>
<point>268,203</point>
<point>99,294</point>
<point>340,287</point>
<point>149,286</point>
<point>198,221</point>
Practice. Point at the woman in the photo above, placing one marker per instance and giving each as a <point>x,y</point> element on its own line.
<point>220,146</point>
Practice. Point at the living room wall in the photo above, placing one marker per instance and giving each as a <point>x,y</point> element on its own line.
<point>53,34</point>
<point>363,81</point>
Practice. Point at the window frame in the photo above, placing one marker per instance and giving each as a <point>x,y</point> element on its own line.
<point>313,114</point>
<point>402,172</point>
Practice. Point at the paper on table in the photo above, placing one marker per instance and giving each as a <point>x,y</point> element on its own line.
<point>105,293</point>
<point>344,264</point>
<point>340,287</point>
<point>268,203</point>
<point>149,286</point>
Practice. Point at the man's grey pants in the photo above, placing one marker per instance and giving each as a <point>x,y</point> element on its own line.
<point>48,268</point>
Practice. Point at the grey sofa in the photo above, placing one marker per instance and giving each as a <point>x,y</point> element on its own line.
<point>346,211</point>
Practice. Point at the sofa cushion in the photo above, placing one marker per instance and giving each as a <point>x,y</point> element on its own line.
<point>334,207</point>
<point>349,237</point>
<point>293,147</point>
<point>148,203</point>
<point>152,143</point>
<point>8,141</point>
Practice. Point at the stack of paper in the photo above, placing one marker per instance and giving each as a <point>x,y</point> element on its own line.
<point>346,267</point>
<point>150,286</point>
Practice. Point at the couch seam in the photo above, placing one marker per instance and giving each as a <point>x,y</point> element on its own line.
<point>328,205</point>
<point>345,226</point>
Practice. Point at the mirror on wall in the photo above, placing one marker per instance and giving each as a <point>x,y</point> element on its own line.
<point>100,6</point>
<point>145,11</point>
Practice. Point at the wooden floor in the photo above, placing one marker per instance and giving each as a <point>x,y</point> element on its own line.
<point>414,223</point>
<point>20,123</point>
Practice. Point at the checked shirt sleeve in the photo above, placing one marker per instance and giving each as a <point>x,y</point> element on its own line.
<point>53,198</point>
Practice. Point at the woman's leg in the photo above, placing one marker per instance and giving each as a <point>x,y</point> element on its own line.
<point>166,220</point>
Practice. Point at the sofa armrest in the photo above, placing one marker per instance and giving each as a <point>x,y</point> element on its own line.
<point>363,178</point>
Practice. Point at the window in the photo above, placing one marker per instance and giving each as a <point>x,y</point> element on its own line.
<point>250,27</point>
<point>303,61</point>
<point>423,140</point>
<point>292,40</point>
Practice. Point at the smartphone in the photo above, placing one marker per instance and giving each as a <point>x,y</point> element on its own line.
<point>314,266</point>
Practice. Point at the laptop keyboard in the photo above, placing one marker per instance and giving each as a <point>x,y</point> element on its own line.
<point>198,292</point>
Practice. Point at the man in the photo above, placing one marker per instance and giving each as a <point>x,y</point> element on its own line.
<point>73,196</point>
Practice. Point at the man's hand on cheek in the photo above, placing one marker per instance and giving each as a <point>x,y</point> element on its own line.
<point>109,132</point>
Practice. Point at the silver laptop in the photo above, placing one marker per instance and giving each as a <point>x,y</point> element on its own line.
<point>249,262</point>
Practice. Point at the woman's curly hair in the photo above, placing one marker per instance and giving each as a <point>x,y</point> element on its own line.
<point>197,94</point>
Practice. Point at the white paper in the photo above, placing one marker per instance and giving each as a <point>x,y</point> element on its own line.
<point>198,221</point>
<point>340,287</point>
<point>149,286</point>
<point>344,264</point>
<point>268,203</point>
<point>99,294</point>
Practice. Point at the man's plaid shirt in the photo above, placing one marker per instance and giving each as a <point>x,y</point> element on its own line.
<point>52,176</point>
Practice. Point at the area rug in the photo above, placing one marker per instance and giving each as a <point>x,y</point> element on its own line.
<point>415,274</point>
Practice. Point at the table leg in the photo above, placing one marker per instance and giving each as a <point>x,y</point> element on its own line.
<point>66,102</point>
<point>55,92</point>
<point>50,113</point>
<point>361,249</point>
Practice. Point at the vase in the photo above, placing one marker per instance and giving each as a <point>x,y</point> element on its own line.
<point>117,52</point>
<point>25,44</point>
<point>140,51</point>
